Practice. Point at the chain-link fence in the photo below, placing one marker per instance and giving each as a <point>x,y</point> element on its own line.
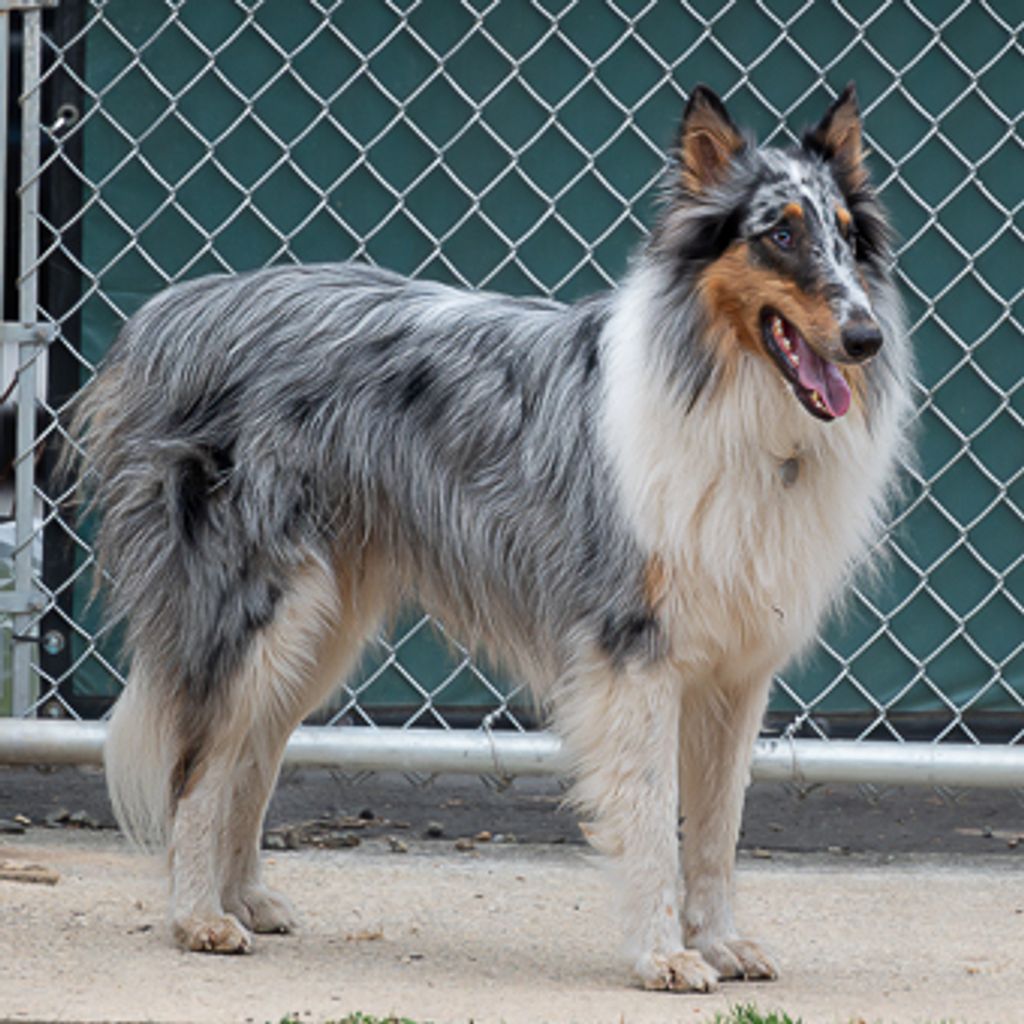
<point>516,145</point>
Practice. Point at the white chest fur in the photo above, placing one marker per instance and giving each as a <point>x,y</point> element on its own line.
<point>753,511</point>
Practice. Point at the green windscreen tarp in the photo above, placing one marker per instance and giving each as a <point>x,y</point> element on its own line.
<point>518,149</point>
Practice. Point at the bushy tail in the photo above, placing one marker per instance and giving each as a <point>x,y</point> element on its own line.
<point>139,752</point>
<point>139,757</point>
<point>196,541</point>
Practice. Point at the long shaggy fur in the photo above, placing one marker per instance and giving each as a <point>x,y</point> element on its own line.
<point>633,501</point>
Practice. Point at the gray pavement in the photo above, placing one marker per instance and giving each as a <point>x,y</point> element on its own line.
<point>321,805</point>
<point>503,933</point>
<point>456,901</point>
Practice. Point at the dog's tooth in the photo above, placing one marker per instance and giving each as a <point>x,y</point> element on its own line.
<point>778,331</point>
<point>794,357</point>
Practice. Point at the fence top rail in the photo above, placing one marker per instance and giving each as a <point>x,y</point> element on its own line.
<point>509,754</point>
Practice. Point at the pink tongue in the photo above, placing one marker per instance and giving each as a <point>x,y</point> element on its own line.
<point>815,374</point>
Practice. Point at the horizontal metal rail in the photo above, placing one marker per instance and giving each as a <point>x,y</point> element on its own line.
<point>34,741</point>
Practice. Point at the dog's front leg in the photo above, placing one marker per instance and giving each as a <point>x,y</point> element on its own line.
<point>718,727</point>
<point>622,729</point>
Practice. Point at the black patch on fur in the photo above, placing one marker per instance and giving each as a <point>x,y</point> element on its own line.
<point>711,236</point>
<point>260,607</point>
<point>193,494</point>
<point>796,266</point>
<point>699,381</point>
<point>416,384</point>
<point>415,389</point>
<point>510,378</point>
<point>813,141</point>
<point>223,457</point>
<point>198,477</point>
<point>247,604</point>
<point>584,342</point>
<point>709,239</point>
<point>625,635</point>
<point>301,409</point>
<point>871,232</point>
<point>590,548</point>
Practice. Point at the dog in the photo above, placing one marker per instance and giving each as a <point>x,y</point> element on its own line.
<point>642,503</point>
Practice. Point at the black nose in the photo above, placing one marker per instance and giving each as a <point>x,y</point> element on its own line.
<point>861,339</point>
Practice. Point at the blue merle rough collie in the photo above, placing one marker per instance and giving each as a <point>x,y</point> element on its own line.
<point>642,503</point>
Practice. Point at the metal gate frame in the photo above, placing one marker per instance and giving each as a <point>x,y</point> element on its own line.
<point>25,338</point>
<point>25,740</point>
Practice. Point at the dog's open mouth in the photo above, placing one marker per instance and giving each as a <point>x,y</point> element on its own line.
<point>817,383</point>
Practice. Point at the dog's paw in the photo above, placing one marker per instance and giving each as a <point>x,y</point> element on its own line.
<point>213,934</point>
<point>740,958</point>
<point>684,971</point>
<point>262,910</point>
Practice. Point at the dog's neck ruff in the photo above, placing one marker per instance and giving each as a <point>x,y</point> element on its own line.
<point>753,408</point>
<point>700,478</point>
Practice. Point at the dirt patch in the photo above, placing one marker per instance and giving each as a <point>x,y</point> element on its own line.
<point>511,933</point>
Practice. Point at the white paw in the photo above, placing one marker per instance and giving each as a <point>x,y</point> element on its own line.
<point>739,958</point>
<point>683,971</point>
<point>261,909</point>
<point>221,933</point>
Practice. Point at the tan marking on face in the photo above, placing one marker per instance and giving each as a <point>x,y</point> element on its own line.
<point>857,380</point>
<point>793,210</point>
<point>845,219</point>
<point>735,291</point>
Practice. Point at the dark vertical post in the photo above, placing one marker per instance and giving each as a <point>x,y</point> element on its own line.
<point>60,293</point>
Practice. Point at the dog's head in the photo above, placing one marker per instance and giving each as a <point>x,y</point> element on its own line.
<point>783,246</point>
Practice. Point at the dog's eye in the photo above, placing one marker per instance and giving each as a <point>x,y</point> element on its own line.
<point>783,238</point>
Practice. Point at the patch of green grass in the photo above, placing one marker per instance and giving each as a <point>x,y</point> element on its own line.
<point>362,1018</point>
<point>352,1018</point>
<point>750,1014</point>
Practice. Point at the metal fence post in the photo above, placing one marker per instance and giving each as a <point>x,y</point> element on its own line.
<point>29,353</point>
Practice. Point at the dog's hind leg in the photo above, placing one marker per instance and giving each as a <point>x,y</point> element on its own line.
<point>243,893</point>
<point>221,753</point>
<point>621,728</point>
<point>286,698</point>
<point>718,728</point>
<point>198,918</point>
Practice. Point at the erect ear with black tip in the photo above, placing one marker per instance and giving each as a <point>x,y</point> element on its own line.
<point>708,141</point>
<point>837,138</point>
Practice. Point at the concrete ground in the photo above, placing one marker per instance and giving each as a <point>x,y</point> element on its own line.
<point>498,931</point>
